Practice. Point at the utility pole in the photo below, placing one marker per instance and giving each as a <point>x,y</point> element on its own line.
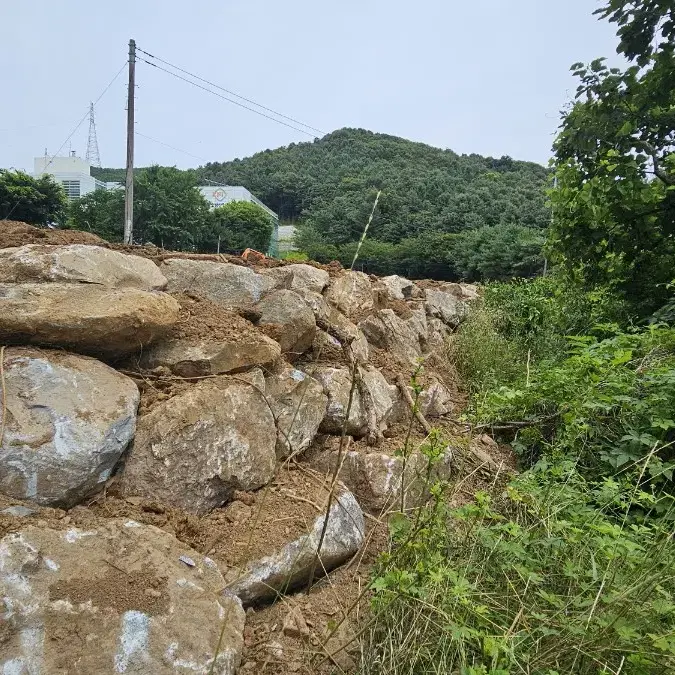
<point>129,191</point>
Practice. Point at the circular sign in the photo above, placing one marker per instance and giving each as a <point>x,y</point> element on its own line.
<point>219,195</point>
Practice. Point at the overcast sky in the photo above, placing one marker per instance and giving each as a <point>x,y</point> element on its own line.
<point>484,76</point>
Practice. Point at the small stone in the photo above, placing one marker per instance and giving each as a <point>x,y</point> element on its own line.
<point>188,561</point>
<point>276,650</point>
<point>17,511</point>
<point>294,666</point>
<point>295,624</point>
<point>152,593</point>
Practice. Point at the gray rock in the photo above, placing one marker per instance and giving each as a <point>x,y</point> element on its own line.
<point>232,286</point>
<point>195,449</point>
<point>79,263</point>
<point>445,306</point>
<point>299,405</point>
<point>116,599</point>
<point>288,568</point>
<point>298,277</point>
<point>69,418</point>
<point>389,332</point>
<point>18,511</point>
<point>375,478</point>
<point>337,384</point>
<point>309,278</point>
<point>395,287</point>
<point>418,323</point>
<point>351,293</point>
<point>195,357</point>
<point>360,343</point>
<point>437,336</point>
<point>292,319</point>
<point>86,318</point>
<point>435,400</point>
<point>317,303</point>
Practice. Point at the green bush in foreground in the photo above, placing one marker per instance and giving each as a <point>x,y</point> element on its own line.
<point>551,576</point>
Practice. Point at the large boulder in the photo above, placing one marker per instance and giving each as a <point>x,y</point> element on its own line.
<point>299,277</point>
<point>195,449</point>
<point>121,598</point>
<point>193,357</point>
<point>438,334</point>
<point>375,478</point>
<point>290,320</point>
<point>389,332</point>
<point>359,342</point>
<point>299,406</point>
<point>337,383</point>
<point>445,306</point>
<point>84,317</point>
<point>79,263</point>
<point>352,294</point>
<point>232,286</point>
<point>69,419</point>
<point>395,287</point>
<point>290,567</point>
<point>435,400</point>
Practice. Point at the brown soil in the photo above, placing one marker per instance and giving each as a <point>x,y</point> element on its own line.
<point>201,319</point>
<point>15,233</point>
<point>117,589</point>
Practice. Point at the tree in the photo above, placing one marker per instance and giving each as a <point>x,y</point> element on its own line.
<point>37,201</point>
<point>614,208</point>
<point>499,252</point>
<point>237,226</point>
<point>101,212</point>
<point>169,210</point>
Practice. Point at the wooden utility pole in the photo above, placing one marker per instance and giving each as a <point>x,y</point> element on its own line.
<point>129,189</point>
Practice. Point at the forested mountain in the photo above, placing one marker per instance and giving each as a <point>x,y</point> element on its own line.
<point>440,214</point>
<point>331,184</point>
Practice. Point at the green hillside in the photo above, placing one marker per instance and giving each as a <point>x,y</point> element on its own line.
<point>331,184</point>
<point>440,214</point>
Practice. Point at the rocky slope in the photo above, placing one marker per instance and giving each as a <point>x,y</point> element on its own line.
<point>169,431</point>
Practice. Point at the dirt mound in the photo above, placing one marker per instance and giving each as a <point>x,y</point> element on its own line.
<point>202,319</point>
<point>15,233</point>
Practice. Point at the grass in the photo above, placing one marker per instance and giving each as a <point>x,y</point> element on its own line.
<point>532,579</point>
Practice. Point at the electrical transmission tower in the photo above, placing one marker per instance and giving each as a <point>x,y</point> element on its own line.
<point>93,156</point>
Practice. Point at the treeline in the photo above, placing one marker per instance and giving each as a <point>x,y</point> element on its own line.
<point>169,211</point>
<point>328,188</point>
<point>439,214</point>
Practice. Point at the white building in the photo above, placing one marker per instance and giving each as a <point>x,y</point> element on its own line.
<point>217,195</point>
<point>71,171</point>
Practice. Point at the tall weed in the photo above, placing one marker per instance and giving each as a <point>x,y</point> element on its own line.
<point>538,579</point>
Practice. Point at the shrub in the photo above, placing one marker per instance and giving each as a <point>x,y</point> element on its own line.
<point>236,226</point>
<point>538,579</point>
<point>608,404</point>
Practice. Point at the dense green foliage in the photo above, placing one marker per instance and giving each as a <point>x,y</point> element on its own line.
<point>440,214</point>
<point>37,201</point>
<point>614,209</point>
<point>328,188</point>
<point>548,577</point>
<point>568,568</point>
<point>169,211</point>
<point>236,226</point>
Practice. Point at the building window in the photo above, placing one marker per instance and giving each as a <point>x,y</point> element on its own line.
<point>72,188</point>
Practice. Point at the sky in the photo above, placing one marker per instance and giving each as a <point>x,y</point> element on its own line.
<point>485,76</point>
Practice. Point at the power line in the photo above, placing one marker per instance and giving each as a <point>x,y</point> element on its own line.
<point>185,152</point>
<point>232,93</point>
<point>72,133</point>
<point>225,98</point>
